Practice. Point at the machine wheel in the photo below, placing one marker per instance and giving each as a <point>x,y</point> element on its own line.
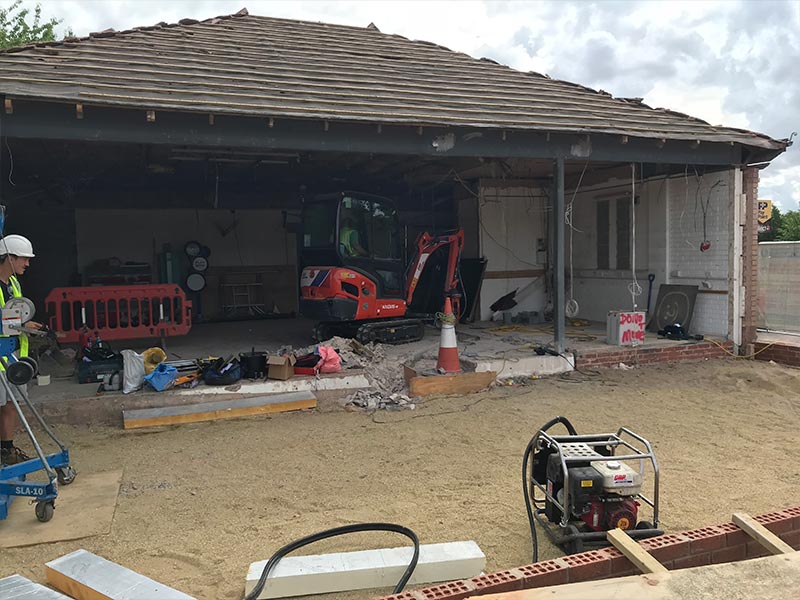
<point>66,475</point>
<point>32,362</point>
<point>45,510</point>
<point>20,372</point>
<point>644,525</point>
<point>575,546</point>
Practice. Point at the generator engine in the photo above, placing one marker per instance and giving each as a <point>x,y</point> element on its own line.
<point>601,494</point>
<point>596,479</point>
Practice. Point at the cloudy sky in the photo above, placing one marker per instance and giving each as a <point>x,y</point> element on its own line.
<point>729,63</point>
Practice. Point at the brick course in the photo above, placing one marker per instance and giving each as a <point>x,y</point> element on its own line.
<point>780,353</point>
<point>706,545</point>
<point>652,355</point>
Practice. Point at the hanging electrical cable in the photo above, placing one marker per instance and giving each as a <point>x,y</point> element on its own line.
<point>633,287</point>
<point>572,308</point>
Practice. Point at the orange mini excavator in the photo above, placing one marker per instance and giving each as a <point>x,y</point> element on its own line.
<point>355,280</point>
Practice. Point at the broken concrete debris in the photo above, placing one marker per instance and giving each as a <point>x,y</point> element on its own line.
<point>385,376</point>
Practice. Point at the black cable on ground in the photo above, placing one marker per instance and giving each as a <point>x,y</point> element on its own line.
<point>336,531</point>
<point>531,447</point>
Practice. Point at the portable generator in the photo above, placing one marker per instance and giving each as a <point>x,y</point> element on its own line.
<point>578,487</point>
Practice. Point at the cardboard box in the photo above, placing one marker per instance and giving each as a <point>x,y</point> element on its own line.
<point>280,367</point>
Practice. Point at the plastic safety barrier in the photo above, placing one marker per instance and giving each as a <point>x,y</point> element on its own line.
<point>119,312</point>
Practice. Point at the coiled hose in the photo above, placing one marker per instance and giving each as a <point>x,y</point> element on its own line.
<point>529,450</point>
<point>336,531</point>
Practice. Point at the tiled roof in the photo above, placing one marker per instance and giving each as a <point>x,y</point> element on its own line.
<point>248,65</point>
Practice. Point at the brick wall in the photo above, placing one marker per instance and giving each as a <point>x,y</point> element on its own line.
<point>703,546</point>
<point>646,356</point>
<point>780,353</point>
<point>750,257</point>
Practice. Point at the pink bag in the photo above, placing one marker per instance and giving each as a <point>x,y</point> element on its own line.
<point>330,361</point>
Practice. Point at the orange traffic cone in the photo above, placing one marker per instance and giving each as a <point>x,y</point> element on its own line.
<point>448,346</point>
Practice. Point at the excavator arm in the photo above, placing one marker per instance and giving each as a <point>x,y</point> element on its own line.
<point>427,244</point>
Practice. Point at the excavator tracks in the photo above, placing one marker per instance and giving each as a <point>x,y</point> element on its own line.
<point>397,331</point>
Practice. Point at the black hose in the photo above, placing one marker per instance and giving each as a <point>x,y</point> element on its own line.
<point>336,531</point>
<point>529,449</point>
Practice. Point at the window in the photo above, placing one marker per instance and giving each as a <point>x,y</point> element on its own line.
<point>623,234</point>
<point>317,230</point>
<point>614,234</point>
<point>354,225</point>
<point>602,235</point>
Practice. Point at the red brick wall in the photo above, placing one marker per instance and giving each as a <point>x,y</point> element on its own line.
<point>705,545</point>
<point>750,257</point>
<point>645,356</point>
<point>780,353</point>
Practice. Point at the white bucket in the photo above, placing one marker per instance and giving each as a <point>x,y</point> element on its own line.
<point>43,380</point>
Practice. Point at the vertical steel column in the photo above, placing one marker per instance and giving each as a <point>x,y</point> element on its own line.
<point>559,264</point>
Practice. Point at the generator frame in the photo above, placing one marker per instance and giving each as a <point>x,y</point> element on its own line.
<point>569,535</point>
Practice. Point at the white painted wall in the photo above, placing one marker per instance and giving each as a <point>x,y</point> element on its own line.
<point>598,291</point>
<point>669,231</point>
<point>710,270</point>
<point>512,219</point>
<point>130,235</point>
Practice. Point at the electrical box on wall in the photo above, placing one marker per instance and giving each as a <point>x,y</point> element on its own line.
<point>625,328</point>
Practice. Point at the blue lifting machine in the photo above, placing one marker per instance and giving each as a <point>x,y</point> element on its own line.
<point>17,373</point>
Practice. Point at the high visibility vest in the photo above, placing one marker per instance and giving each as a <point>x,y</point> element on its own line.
<point>16,292</point>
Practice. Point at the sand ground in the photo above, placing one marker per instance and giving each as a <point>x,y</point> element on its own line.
<point>199,502</point>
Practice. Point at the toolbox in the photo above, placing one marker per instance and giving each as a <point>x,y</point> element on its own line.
<point>93,371</point>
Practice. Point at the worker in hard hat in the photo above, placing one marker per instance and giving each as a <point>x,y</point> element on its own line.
<point>16,253</point>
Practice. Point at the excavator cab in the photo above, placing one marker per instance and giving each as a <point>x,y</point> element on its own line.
<point>356,230</point>
<point>354,279</point>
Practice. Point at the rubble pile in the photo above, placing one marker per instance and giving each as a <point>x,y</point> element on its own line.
<point>384,375</point>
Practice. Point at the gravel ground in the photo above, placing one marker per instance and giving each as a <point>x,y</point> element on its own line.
<point>200,502</point>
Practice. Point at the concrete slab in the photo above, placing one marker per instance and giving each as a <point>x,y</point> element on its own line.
<point>366,569</point>
<point>296,384</point>
<point>526,366</point>
<point>86,576</point>
<point>17,587</point>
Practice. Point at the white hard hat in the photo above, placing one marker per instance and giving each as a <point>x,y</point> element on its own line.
<point>16,245</point>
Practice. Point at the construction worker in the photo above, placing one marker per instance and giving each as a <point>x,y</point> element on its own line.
<point>16,253</point>
<point>349,239</point>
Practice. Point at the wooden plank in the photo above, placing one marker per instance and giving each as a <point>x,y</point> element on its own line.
<point>17,587</point>
<point>769,578</point>
<point>367,569</point>
<point>86,576</point>
<point>634,552</point>
<point>761,534</point>
<point>517,274</point>
<point>213,411</point>
<point>459,383</point>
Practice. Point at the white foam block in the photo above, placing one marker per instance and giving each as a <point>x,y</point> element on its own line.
<point>18,587</point>
<point>341,571</point>
<point>82,574</point>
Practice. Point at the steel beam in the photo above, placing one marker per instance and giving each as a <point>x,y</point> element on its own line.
<point>41,120</point>
<point>559,263</point>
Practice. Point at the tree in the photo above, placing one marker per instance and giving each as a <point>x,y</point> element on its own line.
<point>15,30</point>
<point>790,227</point>
<point>775,225</point>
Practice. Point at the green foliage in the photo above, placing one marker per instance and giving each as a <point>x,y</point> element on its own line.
<point>775,223</point>
<point>17,30</point>
<point>790,227</point>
